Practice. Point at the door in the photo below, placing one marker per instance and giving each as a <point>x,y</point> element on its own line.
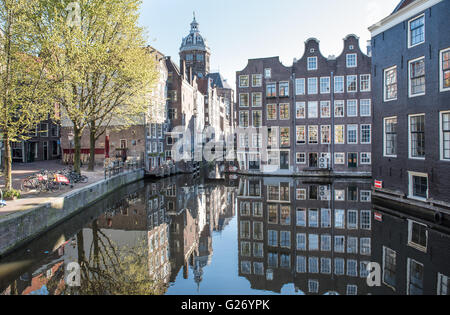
<point>284,160</point>
<point>45,150</point>
<point>313,160</point>
<point>353,160</point>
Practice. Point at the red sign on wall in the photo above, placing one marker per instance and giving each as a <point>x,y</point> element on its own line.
<point>378,184</point>
<point>378,217</point>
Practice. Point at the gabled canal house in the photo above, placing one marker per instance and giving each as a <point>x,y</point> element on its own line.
<point>318,113</point>
<point>411,94</point>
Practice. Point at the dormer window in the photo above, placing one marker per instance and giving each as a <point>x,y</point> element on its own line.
<point>267,73</point>
<point>352,61</point>
<point>312,63</point>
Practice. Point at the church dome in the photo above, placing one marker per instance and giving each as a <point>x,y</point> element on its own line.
<point>194,41</point>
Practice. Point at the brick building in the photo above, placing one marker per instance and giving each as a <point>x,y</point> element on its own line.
<point>411,95</point>
<point>318,113</point>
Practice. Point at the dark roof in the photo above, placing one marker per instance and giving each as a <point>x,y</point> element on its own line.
<point>218,81</point>
<point>402,4</point>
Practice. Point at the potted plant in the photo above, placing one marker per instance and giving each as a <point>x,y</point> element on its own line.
<point>11,194</point>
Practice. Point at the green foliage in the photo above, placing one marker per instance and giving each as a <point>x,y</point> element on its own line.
<point>11,194</point>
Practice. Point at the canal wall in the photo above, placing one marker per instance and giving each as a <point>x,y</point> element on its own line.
<point>19,228</point>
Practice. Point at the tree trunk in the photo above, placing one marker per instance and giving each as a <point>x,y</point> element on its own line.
<point>91,147</point>
<point>77,153</point>
<point>8,163</point>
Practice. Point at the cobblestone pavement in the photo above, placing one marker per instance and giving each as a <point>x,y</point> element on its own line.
<point>32,199</point>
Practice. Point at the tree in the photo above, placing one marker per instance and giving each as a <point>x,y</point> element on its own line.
<point>23,79</point>
<point>97,63</point>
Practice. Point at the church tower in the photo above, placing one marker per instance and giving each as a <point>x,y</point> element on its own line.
<point>194,54</point>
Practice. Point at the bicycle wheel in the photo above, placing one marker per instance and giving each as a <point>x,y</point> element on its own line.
<point>28,185</point>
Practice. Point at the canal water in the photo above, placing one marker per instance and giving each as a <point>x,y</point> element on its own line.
<point>188,236</point>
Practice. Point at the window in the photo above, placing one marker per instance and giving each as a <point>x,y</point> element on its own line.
<point>352,134</point>
<point>365,84</point>
<point>415,277</point>
<point>443,284</point>
<point>257,99</point>
<point>417,235</point>
<point>243,119</point>
<point>417,77</point>
<point>390,84</point>
<point>313,265</point>
<point>257,210</point>
<point>285,215</point>
<point>365,108</point>
<point>325,266</point>
<point>325,218</point>
<point>271,90</point>
<point>243,100</point>
<point>352,83</point>
<point>366,220</point>
<point>257,143</point>
<point>339,158</point>
<point>352,268</point>
<point>445,69</point>
<point>339,266</point>
<point>285,137</point>
<point>313,110</point>
<point>366,134</point>
<point>301,216</point>
<point>172,113</point>
<point>366,158</point>
<point>445,136</point>
<point>339,194</point>
<point>417,137</point>
<point>339,244</point>
<point>301,242</point>
<point>301,264</point>
<point>44,130</point>
<point>300,159</point>
<point>339,219</point>
<point>325,244</point>
<point>325,109</point>
<point>339,85</point>
<point>246,249</point>
<point>285,239</point>
<point>300,86</point>
<point>416,33</point>
<point>245,229</point>
<point>272,260</point>
<point>272,112</point>
<point>325,85</point>
<point>352,289</point>
<point>313,241</point>
<point>257,118</point>
<point>390,137</point>
<point>339,134</point>
<point>418,185</point>
<point>313,218</point>
<point>243,141</point>
<point>285,261</point>
<point>339,109</point>
<point>313,134</point>
<point>300,110</point>
<point>243,81</point>
<point>246,267</point>
<point>365,247</point>
<point>312,63</point>
<point>301,134</point>
<point>284,89</point>
<point>365,196</point>
<point>284,111</point>
<point>312,86</point>
<point>273,238</point>
<point>257,80</point>
<point>325,133</point>
<point>352,108</point>
<point>352,61</point>
<point>352,219</point>
<point>352,245</point>
<point>258,268</point>
<point>389,267</point>
<point>258,250</point>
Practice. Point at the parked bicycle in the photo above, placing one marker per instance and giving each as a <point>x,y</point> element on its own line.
<point>52,180</point>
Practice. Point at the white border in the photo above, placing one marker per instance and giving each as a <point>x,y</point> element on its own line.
<point>441,71</point>
<point>410,95</point>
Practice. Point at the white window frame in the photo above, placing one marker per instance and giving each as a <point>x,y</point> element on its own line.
<point>368,156</point>
<point>261,97</point>
<point>300,105</point>
<point>329,109</point>
<point>441,70</point>
<point>240,100</point>
<point>408,273</point>
<point>356,108</point>
<point>300,82</point>
<point>308,63</point>
<point>348,138</point>
<point>441,135</point>
<point>361,80</point>
<point>267,73</point>
<point>411,188</point>
<point>248,81</point>
<point>356,83</point>
<point>384,136</point>
<point>327,84</point>
<point>347,60</point>
<point>410,242</point>
<point>260,80</point>
<point>316,110</point>
<point>297,158</point>
<point>361,105</point>
<point>316,86</point>
<point>361,134</point>
<point>409,30</point>
<point>410,95</point>
<point>409,137</point>
<point>343,84</point>
<point>384,84</point>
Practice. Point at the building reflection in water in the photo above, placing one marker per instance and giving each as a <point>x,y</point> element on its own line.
<point>317,236</point>
<point>314,236</point>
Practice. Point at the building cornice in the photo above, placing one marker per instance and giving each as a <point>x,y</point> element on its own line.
<point>407,12</point>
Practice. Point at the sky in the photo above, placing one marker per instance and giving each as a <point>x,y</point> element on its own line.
<point>238,30</point>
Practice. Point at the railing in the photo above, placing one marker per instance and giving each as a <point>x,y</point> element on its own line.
<point>119,167</point>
